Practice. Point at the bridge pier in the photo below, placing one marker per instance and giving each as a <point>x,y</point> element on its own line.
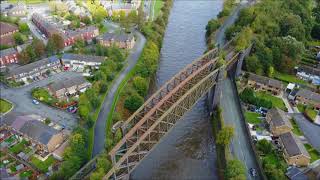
<point>215,92</point>
<point>243,54</point>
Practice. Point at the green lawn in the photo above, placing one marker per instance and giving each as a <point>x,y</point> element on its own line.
<point>315,155</point>
<point>28,1</point>
<point>252,117</point>
<point>5,106</point>
<point>157,8</point>
<point>25,174</point>
<point>18,147</point>
<point>296,130</point>
<point>43,165</point>
<point>10,139</point>
<point>289,78</point>
<point>276,102</point>
<point>311,113</point>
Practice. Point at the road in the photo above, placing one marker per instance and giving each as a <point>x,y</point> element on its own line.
<point>100,127</point>
<point>22,100</point>
<point>37,8</point>
<point>240,146</point>
<point>310,130</point>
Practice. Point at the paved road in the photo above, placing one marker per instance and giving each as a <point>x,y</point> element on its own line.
<point>22,99</point>
<point>42,8</point>
<point>310,130</point>
<point>100,128</point>
<point>240,145</point>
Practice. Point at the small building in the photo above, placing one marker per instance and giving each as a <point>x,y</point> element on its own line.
<point>33,70</point>
<point>6,33</point>
<point>8,56</point>
<point>58,153</point>
<point>125,41</point>
<point>308,73</point>
<point>68,87</point>
<point>45,137</point>
<point>262,83</point>
<point>278,121</point>
<point>294,151</point>
<point>305,96</point>
<point>76,61</point>
<point>16,10</point>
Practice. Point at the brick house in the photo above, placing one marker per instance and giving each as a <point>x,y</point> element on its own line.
<point>308,97</point>
<point>11,10</point>
<point>278,122</point>
<point>125,41</point>
<point>294,151</point>
<point>6,33</point>
<point>45,137</point>
<point>33,70</point>
<point>8,56</point>
<point>78,61</point>
<point>265,84</point>
<point>68,87</point>
<point>69,36</point>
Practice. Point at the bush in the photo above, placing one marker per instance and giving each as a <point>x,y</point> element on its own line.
<point>235,170</point>
<point>133,102</point>
<point>141,85</point>
<point>248,96</point>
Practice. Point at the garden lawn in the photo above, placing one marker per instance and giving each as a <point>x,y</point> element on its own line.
<point>18,147</point>
<point>276,102</point>
<point>157,8</point>
<point>289,78</point>
<point>315,155</point>
<point>25,174</point>
<point>5,106</point>
<point>43,165</point>
<point>311,113</point>
<point>296,130</point>
<point>252,117</point>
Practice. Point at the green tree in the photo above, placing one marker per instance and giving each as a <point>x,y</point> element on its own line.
<point>39,47</point>
<point>24,28</point>
<point>244,38</point>
<point>225,135</point>
<point>264,146</point>
<point>18,38</point>
<point>235,170</point>
<point>55,44</point>
<point>141,85</point>
<point>315,33</point>
<point>133,102</point>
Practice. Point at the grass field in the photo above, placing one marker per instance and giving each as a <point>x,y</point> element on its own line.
<point>25,174</point>
<point>5,106</point>
<point>157,8</point>
<point>18,147</point>
<point>42,165</point>
<point>289,78</point>
<point>308,110</point>
<point>252,117</point>
<point>276,102</point>
<point>315,155</point>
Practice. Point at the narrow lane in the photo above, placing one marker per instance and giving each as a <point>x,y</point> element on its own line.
<point>100,127</point>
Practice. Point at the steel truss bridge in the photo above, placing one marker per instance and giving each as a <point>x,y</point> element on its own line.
<point>144,129</point>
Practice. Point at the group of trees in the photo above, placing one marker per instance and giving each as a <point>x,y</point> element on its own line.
<point>32,52</point>
<point>248,96</point>
<point>279,30</point>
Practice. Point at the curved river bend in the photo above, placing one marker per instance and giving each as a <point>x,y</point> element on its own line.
<point>188,150</point>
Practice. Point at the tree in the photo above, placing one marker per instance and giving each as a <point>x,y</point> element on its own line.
<point>140,17</point>
<point>141,85</point>
<point>225,135</point>
<point>24,28</point>
<point>270,71</point>
<point>39,47</point>
<point>133,102</point>
<point>55,43</point>
<point>18,38</point>
<point>235,170</point>
<point>315,33</point>
<point>24,57</point>
<point>264,146</point>
<point>103,87</point>
<point>243,40</point>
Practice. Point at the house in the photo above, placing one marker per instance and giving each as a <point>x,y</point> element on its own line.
<point>69,36</point>
<point>58,153</point>
<point>308,73</point>
<point>116,6</point>
<point>125,41</point>
<point>278,121</point>
<point>68,87</point>
<point>11,10</point>
<point>78,61</point>
<point>8,56</point>
<point>33,70</point>
<point>305,96</point>
<point>45,137</point>
<point>293,150</point>
<point>265,84</point>
<point>6,33</point>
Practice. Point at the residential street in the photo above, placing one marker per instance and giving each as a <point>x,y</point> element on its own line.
<point>22,99</point>
<point>310,130</point>
<point>240,145</point>
<point>100,127</point>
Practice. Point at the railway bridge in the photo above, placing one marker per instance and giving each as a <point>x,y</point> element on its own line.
<point>144,129</point>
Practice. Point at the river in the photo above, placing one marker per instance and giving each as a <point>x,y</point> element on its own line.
<point>188,150</point>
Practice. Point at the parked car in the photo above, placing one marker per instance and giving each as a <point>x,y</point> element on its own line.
<point>74,110</point>
<point>35,102</point>
<point>253,172</point>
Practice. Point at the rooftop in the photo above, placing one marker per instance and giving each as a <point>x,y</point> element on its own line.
<point>7,52</point>
<point>265,80</point>
<point>67,83</point>
<point>309,95</point>
<point>116,37</point>
<point>6,27</point>
<point>79,57</point>
<point>309,70</point>
<point>279,117</point>
<point>293,145</point>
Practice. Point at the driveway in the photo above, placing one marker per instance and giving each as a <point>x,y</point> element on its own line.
<point>22,100</point>
<point>310,130</point>
<point>100,127</point>
<point>240,145</point>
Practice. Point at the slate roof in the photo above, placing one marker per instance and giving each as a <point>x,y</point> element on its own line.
<point>309,95</point>
<point>309,70</point>
<point>79,57</point>
<point>294,173</point>
<point>6,27</point>
<point>7,52</point>
<point>265,81</point>
<point>79,80</point>
<point>116,37</point>
<point>279,117</point>
<point>293,145</point>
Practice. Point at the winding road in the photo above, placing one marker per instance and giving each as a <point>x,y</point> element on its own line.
<point>100,127</point>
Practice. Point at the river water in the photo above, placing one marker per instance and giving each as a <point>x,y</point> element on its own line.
<point>188,150</point>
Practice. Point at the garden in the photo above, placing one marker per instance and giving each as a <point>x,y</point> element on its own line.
<point>19,147</point>
<point>315,155</point>
<point>5,106</point>
<point>42,165</point>
<point>308,111</point>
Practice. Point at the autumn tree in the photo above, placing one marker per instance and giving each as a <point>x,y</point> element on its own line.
<point>225,135</point>
<point>235,170</point>
<point>141,85</point>
<point>55,44</point>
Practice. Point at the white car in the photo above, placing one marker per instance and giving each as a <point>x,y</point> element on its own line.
<point>35,102</point>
